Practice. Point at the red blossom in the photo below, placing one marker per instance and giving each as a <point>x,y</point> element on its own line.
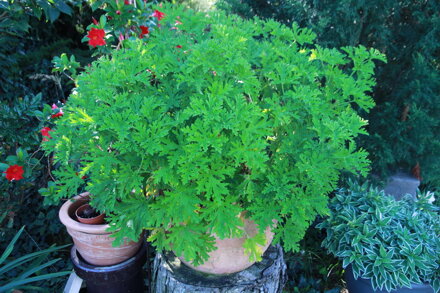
<point>56,115</point>
<point>144,31</point>
<point>127,2</point>
<point>96,37</point>
<point>179,46</point>
<point>14,172</point>
<point>159,15</point>
<point>60,112</point>
<point>45,133</point>
<point>118,12</point>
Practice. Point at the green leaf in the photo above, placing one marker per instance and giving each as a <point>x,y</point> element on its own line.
<point>63,7</point>
<point>18,283</point>
<point>53,14</point>
<point>25,258</point>
<point>102,21</point>
<point>3,167</point>
<point>36,269</point>
<point>383,252</point>
<point>252,246</point>
<point>10,246</point>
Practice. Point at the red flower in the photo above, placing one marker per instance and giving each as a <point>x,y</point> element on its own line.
<point>144,31</point>
<point>96,37</point>
<point>59,114</point>
<point>127,2</point>
<point>45,133</point>
<point>118,12</point>
<point>179,47</point>
<point>159,15</point>
<point>14,172</point>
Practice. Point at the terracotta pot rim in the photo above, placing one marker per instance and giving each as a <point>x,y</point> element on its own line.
<point>65,218</point>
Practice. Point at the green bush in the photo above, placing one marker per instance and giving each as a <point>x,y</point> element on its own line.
<point>31,33</point>
<point>404,126</point>
<point>393,243</point>
<point>19,273</point>
<point>219,116</point>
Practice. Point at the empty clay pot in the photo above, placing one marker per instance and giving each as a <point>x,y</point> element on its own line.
<point>230,256</point>
<point>79,213</point>
<point>93,242</point>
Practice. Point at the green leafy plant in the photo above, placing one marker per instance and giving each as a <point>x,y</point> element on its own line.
<point>404,129</point>
<point>20,272</point>
<point>218,116</point>
<point>392,243</point>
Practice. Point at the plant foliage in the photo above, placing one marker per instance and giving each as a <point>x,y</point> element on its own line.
<point>393,243</point>
<point>404,126</point>
<point>30,36</point>
<point>20,272</point>
<point>218,116</point>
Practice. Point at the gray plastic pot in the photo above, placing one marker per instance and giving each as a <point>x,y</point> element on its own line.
<point>361,285</point>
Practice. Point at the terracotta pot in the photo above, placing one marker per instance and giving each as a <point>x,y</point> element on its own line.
<point>230,256</point>
<point>99,219</point>
<point>93,242</point>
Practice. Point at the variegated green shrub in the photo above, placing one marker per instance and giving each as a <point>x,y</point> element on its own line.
<point>393,243</point>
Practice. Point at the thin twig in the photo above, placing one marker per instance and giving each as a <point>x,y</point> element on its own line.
<point>36,244</point>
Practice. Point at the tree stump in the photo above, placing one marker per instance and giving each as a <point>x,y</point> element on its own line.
<point>268,276</point>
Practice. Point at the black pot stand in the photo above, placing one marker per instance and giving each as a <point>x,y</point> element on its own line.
<point>125,277</point>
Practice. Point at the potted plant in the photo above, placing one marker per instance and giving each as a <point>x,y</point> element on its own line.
<point>92,239</point>
<point>384,244</point>
<point>216,128</point>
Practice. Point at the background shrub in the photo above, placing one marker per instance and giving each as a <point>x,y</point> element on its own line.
<point>31,35</point>
<point>404,126</point>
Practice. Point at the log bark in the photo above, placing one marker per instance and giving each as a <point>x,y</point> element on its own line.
<point>268,276</point>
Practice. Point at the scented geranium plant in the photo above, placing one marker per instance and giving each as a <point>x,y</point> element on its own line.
<point>218,116</point>
<point>393,243</point>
